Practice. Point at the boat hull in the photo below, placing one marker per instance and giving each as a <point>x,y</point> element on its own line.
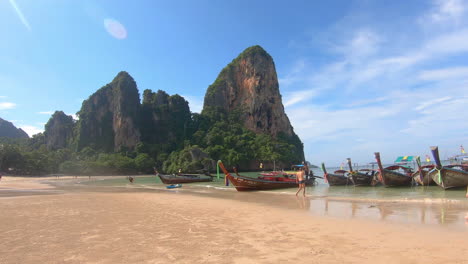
<point>449,178</point>
<point>242,183</point>
<point>425,180</point>
<point>394,179</point>
<point>337,180</point>
<point>361,179</point>
<point>174,179</point>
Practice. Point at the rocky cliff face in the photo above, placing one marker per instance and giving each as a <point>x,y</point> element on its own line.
<point>250,84</point>
<point>108,119</point>
<point>58,131</point>
<point>7,129</point>
<point>164,118</point>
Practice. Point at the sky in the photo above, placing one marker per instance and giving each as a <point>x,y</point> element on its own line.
<point>356,77</point>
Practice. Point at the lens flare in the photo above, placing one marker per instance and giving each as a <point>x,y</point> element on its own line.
<point>115,28</point>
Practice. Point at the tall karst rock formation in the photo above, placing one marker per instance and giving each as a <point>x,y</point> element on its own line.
<point>59,131</point>
<point>250,84</point>
<point>164,118</point>
<point>7,129</point>
<point>108,119</point>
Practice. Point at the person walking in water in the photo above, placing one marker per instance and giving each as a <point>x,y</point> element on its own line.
<point>301,181</point>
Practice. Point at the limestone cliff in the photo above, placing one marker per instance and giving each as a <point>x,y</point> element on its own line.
<point>7,129</point>
<point>108,119</point>
<point>164,118</point>
<point>58,131</point>
<point>249,83</point>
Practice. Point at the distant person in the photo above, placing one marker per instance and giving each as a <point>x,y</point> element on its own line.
<point>301,181</point>
<point>130,179</point>
<point>261,165</point>
<point>306,170</point>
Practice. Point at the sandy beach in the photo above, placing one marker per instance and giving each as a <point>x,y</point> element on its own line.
<point>89,226</point>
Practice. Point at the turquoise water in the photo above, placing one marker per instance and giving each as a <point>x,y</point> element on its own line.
<point>320,190</point>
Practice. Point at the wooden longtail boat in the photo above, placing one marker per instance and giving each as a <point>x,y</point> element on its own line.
<point>244,183</point>
<point>338,177</point>
<point>422,175</point>
<point>449,176</point>
<point>273,173</point>
<point>361,177</point>
<point>390,177</point>
<point>183,178</point>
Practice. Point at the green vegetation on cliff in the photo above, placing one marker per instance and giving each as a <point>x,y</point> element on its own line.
<point>116,134</point>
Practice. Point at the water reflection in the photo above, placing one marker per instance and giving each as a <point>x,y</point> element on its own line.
<point>446,214</point>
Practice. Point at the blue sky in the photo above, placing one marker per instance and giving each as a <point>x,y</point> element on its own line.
<point>356,76</point>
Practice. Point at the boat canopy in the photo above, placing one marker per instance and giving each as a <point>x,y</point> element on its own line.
<point>405,159</point>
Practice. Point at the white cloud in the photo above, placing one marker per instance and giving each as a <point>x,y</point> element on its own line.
<point>46,112</point>
<point>443,74</point>
<point>363,43</point>
<point>426,104</point>
<point>7,105</point>
<point>31,130</point>
<point>74,116</point>
<point>447,10</point>
<point>297,97</point>
<point>384,88</point>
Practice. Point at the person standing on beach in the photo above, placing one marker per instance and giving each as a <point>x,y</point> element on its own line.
<point>301,181</point>
<point>306,170</point>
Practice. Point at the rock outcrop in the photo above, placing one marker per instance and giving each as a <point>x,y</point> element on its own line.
<point>58,131</point>
<point>164,118</point>
<point>250,84</point>
<point>108,119</point>
<point>7,129</point>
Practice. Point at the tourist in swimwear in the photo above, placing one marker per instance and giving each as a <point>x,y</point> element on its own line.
<point>301,181</point>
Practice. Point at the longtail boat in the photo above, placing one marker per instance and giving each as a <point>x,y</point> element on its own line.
<point>273,173</point>
<point>361,177</point>
<point>422,175</point>
<point>338,177</point>
<point>244,183</point>
<point>449,176</point>
<point>183,178</point>
<point>391,176</point>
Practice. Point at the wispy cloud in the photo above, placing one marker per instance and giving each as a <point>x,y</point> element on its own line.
<point>298,96</point>
<point>446,10</point>
<point>395,96</point>
<point>20,14</point>
<point>444,74</point>
<point>31,130</point>
<point>7,105</point>
<point>46,112</point>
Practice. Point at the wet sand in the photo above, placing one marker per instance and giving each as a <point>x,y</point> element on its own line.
<point>95,225</point>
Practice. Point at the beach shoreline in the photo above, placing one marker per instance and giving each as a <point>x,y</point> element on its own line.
<point>127,225</point>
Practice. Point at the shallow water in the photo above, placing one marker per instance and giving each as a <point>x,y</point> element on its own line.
<point>408,205</point>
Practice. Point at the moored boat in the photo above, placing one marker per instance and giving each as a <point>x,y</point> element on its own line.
<point>183,178</point>
<point>449,176</point>
<point>273,173</point>
<point>422,175</point>
<point>244,183</point>
<point>394,175</point>
<point>361,177</point>
<point>338,177</point>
